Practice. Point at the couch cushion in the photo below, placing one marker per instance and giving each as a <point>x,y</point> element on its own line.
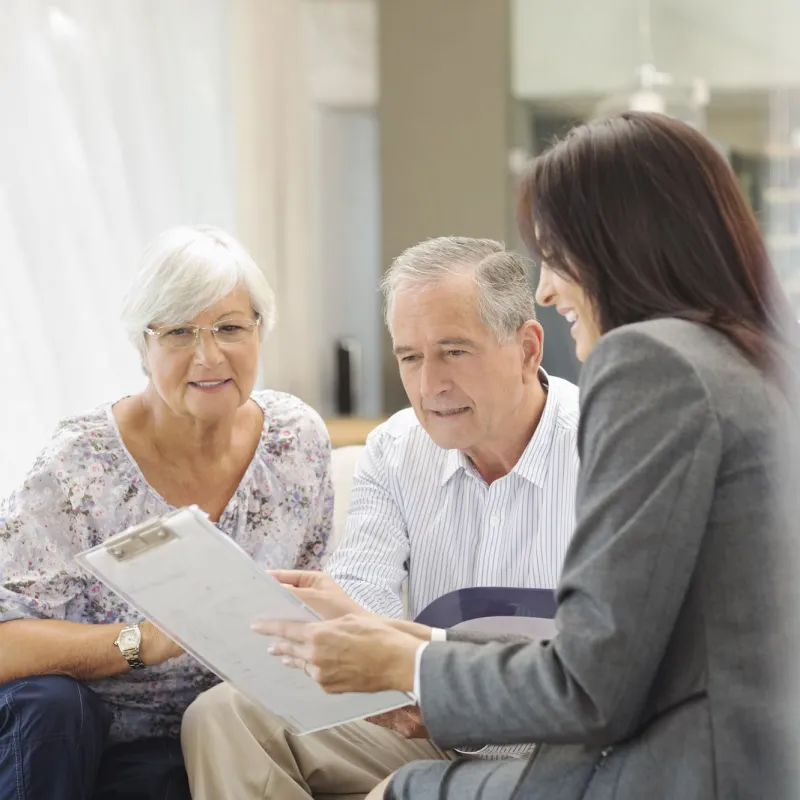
<point>343,464</point>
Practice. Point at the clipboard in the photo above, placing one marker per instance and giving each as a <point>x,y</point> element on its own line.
<point>200,588</point>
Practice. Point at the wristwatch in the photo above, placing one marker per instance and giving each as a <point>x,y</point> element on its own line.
<point>128,642</point>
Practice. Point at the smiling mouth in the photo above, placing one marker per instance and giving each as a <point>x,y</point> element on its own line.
<point>209,386</point>
<point>451,412</point>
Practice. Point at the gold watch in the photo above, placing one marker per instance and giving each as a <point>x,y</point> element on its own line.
<point>128,642</point>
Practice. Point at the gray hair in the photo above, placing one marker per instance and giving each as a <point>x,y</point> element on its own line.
<point>505,297</point>
<point>186,270</point>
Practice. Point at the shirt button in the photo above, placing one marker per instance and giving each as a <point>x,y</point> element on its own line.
<point>495,521</point>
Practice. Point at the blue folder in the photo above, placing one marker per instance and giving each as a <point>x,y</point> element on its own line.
<point>462,605</point>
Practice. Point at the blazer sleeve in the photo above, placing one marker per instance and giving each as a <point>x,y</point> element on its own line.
<point>478,637</point>
<point>650,447</point>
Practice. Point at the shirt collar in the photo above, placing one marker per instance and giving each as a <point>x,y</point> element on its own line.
<point>454,461</point>
<point>534,462</point>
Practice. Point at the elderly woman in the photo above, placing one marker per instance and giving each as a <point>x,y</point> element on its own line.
<point>91,695</point>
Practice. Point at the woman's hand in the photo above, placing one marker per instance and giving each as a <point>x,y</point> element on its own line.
<point>156,647</point>
<point>318,591</point>
<point>354,653</point>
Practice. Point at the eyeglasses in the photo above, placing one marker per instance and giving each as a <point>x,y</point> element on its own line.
<point>185,337</point>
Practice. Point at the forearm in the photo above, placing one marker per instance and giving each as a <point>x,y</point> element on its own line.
<point>55,647</point>
<point>371,577</point>
<point>371,595</point>
<point>370,563</point>
<point>421,632</point>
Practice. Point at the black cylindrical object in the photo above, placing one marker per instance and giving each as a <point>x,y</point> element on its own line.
<point>348,354</point>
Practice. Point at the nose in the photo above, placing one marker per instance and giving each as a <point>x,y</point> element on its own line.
<point>545,290</point>
<point>207,352</point>
<point>432,380</point>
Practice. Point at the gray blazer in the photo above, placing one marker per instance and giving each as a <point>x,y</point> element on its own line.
<point>661,682</point>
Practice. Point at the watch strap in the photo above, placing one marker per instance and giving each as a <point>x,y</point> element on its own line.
<point>134,662</point>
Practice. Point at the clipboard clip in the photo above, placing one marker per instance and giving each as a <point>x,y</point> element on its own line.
<point>139,540</point>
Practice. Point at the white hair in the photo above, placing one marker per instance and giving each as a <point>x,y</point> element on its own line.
<point>186,270</point>
<point>504,295</point>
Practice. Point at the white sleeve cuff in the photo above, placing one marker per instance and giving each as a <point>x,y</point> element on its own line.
<point>417,665</point>
<point>437,635</point>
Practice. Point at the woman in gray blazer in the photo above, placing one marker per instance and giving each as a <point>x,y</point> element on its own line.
<point>664,679</point>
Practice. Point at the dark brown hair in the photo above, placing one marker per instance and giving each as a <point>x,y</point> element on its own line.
<point>646,215</point>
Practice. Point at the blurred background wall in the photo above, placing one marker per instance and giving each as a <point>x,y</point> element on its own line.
<point>329,135</point>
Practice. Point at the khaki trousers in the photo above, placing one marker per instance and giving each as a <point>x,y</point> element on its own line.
<point>235,750</point>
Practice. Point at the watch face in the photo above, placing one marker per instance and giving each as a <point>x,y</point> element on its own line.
<point>129,639</point>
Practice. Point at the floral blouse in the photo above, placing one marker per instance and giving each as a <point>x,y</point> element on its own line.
<point>85,487</point>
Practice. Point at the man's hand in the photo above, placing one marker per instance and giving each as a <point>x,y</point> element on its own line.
<point>318,591</point>
<point>156,647</point>
<point>407,722</point>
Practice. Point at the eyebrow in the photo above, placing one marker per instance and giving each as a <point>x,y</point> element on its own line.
<point>455,342</point>
<point>220,318</point>
<point>229,314</point>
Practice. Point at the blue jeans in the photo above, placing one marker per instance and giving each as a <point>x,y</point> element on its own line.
<point>53,746</point>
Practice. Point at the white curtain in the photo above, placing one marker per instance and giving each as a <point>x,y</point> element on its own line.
<point>116,121</point>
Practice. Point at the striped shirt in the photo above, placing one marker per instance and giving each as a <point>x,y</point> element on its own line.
<point>423,515</point>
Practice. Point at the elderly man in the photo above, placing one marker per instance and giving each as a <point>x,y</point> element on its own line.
<point>473,487</point>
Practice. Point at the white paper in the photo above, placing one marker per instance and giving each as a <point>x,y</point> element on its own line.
<point>204,592</point>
